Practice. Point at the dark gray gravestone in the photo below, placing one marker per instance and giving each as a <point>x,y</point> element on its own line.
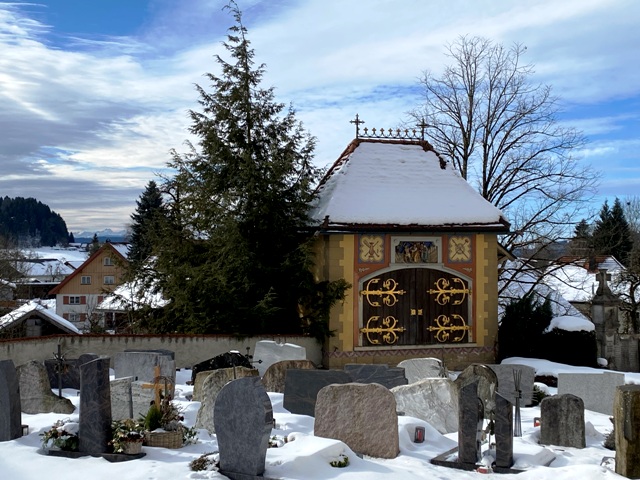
<point>243,417</point>
<point>70,375</point>
<point>470,421</point>
<point>381,374</point>
<point>626,412</point>
<point>10,411</point>
<point>506,386</point>
<point>301,388</point>
<point>503,427</point>
<point>562,421</point>
<point>487,384</point>
<point>95,407</point>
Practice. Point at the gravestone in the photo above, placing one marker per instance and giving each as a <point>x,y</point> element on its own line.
<point>224,360</point>
<point>71,373</point>
<point>35,391</point>
<point>121,398</point>
<point>506,387</point>
<point>381,374</point>
<point>597,390</point>
<point>273,378</point>
<point>95,407</point>
<point>470,421</point>
<point>141,398</point>
<point>627,430</point>
<point>434,400</point>
<point>211,388</point>
<point>268,352</point>
<point>301,388</point>
<point>141,365</point>
<point>487,384</point>
<point>503,428</point>
<point>363,416</point>
<point>243,422</point>
<point>10,410</point>
<point>196,396</point>
<point>562,421</point>
<point>161,351</point>
<point>416,369</point>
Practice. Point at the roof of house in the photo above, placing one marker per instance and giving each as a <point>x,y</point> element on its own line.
<point>121,249</point>
<point>399,184</point>
<point>31,308</point>
<point>132,295</point>
<point>600,262</point>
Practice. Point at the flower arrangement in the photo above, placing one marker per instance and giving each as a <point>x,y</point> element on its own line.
<point>124,433</point>
<point>167,417</point>
<point>63,435</point>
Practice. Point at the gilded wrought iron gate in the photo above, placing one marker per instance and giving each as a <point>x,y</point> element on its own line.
<point>415,306</point>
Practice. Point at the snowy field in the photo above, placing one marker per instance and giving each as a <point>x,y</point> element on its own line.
<point>306,457</point>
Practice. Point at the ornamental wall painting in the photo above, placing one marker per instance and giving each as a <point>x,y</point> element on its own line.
<point>415,306</point>
<point>411,251</point>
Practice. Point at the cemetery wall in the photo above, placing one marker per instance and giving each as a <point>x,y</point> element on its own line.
<point>189,349</point>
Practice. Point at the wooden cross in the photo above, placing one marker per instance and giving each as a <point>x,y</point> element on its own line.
<point>156,385</point>
<point>357,121</point>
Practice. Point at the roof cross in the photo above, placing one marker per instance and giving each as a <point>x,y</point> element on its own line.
<point>423,126</point>
<point>357,121</point>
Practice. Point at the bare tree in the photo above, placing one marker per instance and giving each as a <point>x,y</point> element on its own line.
<point>501,133</point>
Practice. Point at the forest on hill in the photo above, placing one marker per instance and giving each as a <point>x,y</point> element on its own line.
<point>27,222</point>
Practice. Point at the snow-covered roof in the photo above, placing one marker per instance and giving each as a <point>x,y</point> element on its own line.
<point>400,183</point>
<point>122,249</point>
<point>132,295</point>
<point>575,282</point>
<point>33,307</point>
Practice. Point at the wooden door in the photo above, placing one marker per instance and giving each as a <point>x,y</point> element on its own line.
<point>415,306</point>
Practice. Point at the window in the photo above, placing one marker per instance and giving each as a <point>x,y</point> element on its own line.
<point>74,300</point>
<point>109,280</point>
<point>85,280</point>
<point>74,317</point>
<point>108,261</point>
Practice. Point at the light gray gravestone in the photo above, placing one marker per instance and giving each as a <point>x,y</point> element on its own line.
<point>434,400</point>
<point>35,391</point>
<point>363,416</point>
<point>301,388</point>
<point>243,422</point>
<point>597,390</point>
<point>268,352</point>
<point>470,421</point>
<point>273,378</point>
<point>10,411</point>
<point>562,421</point>
<point>121,398</point>
<point>141,365</point>
<point>416,369</point>
<point>95,407</point>
<point>211,388</point>
<point>381,374</point>
<point>627,430</point>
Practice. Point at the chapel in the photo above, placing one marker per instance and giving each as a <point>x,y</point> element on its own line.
<point>419,247</point>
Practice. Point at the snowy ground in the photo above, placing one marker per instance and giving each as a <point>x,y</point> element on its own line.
<point>306,457</point>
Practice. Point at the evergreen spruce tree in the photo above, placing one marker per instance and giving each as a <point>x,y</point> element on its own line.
<point>611,234</point>
<point>145,221</point>
<point>581,241</point>
<point>235,254</point>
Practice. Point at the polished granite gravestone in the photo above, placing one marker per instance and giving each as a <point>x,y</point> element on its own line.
<point>503,428</point>
<point>70,375</point>
<point>506,382</point>
<point>416,369</point>
<point>301,388</point>
<point>243,417</point>
<point>597,390</point>
<point>224,360</point>
<point>562,421</point>
<point>95,407</point>
<point>470,419</point>
<point>10,410</point>
<point>372,373</point>
<point>487,384</point>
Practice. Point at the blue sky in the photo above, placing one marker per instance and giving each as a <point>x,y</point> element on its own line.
<point>94,93</point>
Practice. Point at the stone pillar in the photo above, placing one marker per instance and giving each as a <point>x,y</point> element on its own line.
<point>626,413</point>
<point>95,406</point>
<point>10,409</point>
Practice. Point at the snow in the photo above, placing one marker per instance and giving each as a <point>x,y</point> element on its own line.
<point>368,187</point>
<point>570,324</point>
<point>306,457</point>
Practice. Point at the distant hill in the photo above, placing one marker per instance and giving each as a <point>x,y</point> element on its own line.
<point>30,223</point>
<point>103,236</point>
